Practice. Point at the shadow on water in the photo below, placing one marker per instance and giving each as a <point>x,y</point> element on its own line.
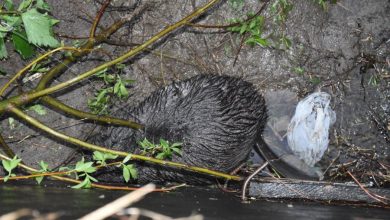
<point>211,203</point>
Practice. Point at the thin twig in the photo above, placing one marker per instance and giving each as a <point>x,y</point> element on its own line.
<point>370,194</point>
<point>247,180</point>
<point>97,19</point>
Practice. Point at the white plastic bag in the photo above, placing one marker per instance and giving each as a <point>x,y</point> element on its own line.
<point>308,131</point>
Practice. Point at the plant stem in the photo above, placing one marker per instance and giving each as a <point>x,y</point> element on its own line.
<point>17,75</point>
<point>96,185</point>
<point>6,148</point>
<point>93,147</point>
<point>88,116</point>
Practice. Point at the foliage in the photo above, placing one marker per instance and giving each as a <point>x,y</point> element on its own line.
<point>255,27</point>
<point>44,168</point>
<point>38,109</point>
<point>85,168</point>
<point>160,151</point>
<point>27,26</point>
<point>128,171</point>
<point>114,85</point>
<point>9,165</point>
<point>101,157</point>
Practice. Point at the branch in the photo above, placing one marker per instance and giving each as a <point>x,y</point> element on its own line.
<point>32,95</point>
<point>54,103</point>
<point>66,179</point>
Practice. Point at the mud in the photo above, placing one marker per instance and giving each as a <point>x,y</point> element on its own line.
<point>343,50</point>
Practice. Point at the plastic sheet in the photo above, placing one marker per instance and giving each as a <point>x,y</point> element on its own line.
<point>308,131</point>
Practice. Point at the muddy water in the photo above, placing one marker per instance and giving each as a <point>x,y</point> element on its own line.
<point>211,203</point>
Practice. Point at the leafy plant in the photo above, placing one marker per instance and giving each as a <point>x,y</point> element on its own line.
<point>160,151</point>
<point>85,168</point>
<point>114,85</point>
<point>281,8</point>
<point>44,168</point>
<point>9,165</point>
<point>253,27</point>
<point>38,109</point>
<point>101,157</point>
<point>128,170</point>
<point>27,26</point>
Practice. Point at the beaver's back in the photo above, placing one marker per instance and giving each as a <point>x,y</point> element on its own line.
<point>215,117</point>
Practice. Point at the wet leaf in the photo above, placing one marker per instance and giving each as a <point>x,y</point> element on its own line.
<point>39,28</point>
<point>21,45</point>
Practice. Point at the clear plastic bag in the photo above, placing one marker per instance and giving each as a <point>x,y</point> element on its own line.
<point>308,131</point>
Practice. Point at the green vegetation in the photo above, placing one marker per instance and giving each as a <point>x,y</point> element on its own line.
<point>161,151</point>
<point>44,169</point>
<point>27,26</point>
<point>84,169</point>
<point>9,166</point>
<point>114,86</point>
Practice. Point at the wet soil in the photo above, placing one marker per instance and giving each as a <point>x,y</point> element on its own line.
<point>344,50</point>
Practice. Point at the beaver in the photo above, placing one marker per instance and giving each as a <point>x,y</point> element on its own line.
<point>216,118</point>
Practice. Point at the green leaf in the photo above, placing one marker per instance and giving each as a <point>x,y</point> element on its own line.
<point>41,4</point>
<point>176,150</point>
<point>177,144</point>
<point>126,173</point>
<point>86,184</point>
<point>9,165</point>
<point>22,46</point>
<point>257,40</point>
<point>123,91</point>
<point>92,178</point>
<point>102,157</point>
<point>129,171</point>
<point>24,5</point>
<point>161,156</point>
<point>87,167</point>
<point>8,5</point>
<point>44,166</point>
<point>11,21</point>
<point>39,28</point>
<point>145,143</point>
<point>127,158</point>
<point>38,109</point>
<point>164,143</point>
<point>39,179</point>
<point>243,28</point>
<point>97,155</point>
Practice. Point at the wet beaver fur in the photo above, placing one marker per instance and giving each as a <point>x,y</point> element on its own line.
<point>217,118</point>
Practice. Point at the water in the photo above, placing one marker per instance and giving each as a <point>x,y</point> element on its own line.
<point>211,203</point>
